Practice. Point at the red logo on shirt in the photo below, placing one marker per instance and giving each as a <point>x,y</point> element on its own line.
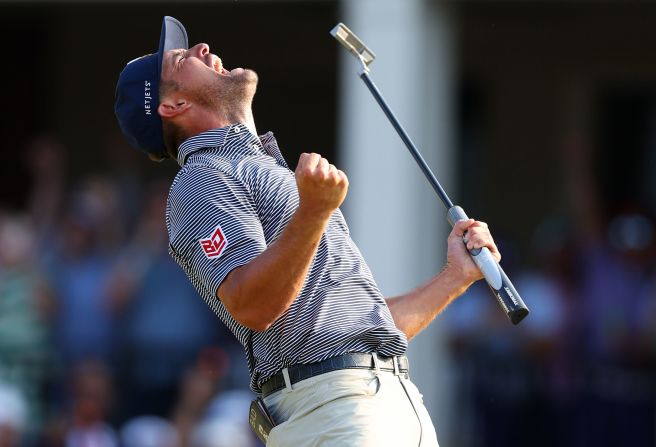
<point>214,246</point>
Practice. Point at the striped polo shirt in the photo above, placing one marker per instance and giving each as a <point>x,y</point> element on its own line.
<point>231,199</point>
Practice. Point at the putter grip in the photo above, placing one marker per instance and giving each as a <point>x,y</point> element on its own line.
<point>496,278</point>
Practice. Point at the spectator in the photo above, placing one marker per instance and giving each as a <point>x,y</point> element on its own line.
<point>616,263</point>
<point>24,347</point>
<point>13,416</point>
<point>90,407</point>
<point>83,325</point>
<point>509,373</point>
<point>149,431</point>
<point>46,164</point>
<point>225,423</point>
<point>165,323</point>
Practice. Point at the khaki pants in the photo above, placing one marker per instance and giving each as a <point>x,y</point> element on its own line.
<point>351,407</point>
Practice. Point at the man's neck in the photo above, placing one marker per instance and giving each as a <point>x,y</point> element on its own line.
<point>206,121</point>
<point>249,121</point>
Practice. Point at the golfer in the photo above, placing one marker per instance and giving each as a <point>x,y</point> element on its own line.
<point>270,253</point>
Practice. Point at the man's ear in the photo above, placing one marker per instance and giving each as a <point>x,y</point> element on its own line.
<point>170,107</point>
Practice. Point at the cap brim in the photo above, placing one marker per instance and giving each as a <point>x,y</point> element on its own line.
<point>173,36</point>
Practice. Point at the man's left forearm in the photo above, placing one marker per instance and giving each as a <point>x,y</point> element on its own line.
<point>413,311</point>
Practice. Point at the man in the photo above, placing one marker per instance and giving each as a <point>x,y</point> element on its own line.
<point>270,252</point>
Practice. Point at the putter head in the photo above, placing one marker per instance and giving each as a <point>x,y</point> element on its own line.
<point>352,43</point>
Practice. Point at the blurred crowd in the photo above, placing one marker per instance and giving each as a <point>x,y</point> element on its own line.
<point>580,370</point>
<point>103,341</point>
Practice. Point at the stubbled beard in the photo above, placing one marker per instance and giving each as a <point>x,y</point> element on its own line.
<point>230,96</point>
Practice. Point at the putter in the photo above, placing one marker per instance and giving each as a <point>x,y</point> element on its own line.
<point>501,287</point>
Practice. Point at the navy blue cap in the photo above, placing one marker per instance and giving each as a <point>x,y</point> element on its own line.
<point>137,92</point>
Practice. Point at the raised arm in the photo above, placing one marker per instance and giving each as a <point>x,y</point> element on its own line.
<point>257,293</point>
<point>413,311</point>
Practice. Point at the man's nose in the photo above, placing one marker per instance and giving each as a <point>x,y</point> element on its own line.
<point>200,50</point>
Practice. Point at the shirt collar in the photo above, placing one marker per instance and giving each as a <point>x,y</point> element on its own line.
<point>218,138</point>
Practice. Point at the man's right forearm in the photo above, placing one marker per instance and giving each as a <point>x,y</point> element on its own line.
<point>257,293</point>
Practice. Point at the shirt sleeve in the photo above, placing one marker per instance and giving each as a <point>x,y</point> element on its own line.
<point>213,225</point>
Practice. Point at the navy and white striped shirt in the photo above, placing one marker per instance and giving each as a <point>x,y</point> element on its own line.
<point>232,198</point>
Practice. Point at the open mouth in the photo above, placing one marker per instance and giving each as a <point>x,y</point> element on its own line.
<point>217,65</point>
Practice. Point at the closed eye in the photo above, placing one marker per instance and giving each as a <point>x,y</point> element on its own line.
<point>183,55</point>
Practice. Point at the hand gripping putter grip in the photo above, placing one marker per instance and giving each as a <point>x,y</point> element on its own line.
<point>496,278</point>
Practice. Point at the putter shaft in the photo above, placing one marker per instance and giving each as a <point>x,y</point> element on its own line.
<point>499,283</point>
<point>408,141</point>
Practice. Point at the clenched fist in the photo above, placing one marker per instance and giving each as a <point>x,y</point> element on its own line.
<point>321,186</point>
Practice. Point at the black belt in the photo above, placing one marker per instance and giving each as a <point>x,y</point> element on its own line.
<point>347,361</point>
